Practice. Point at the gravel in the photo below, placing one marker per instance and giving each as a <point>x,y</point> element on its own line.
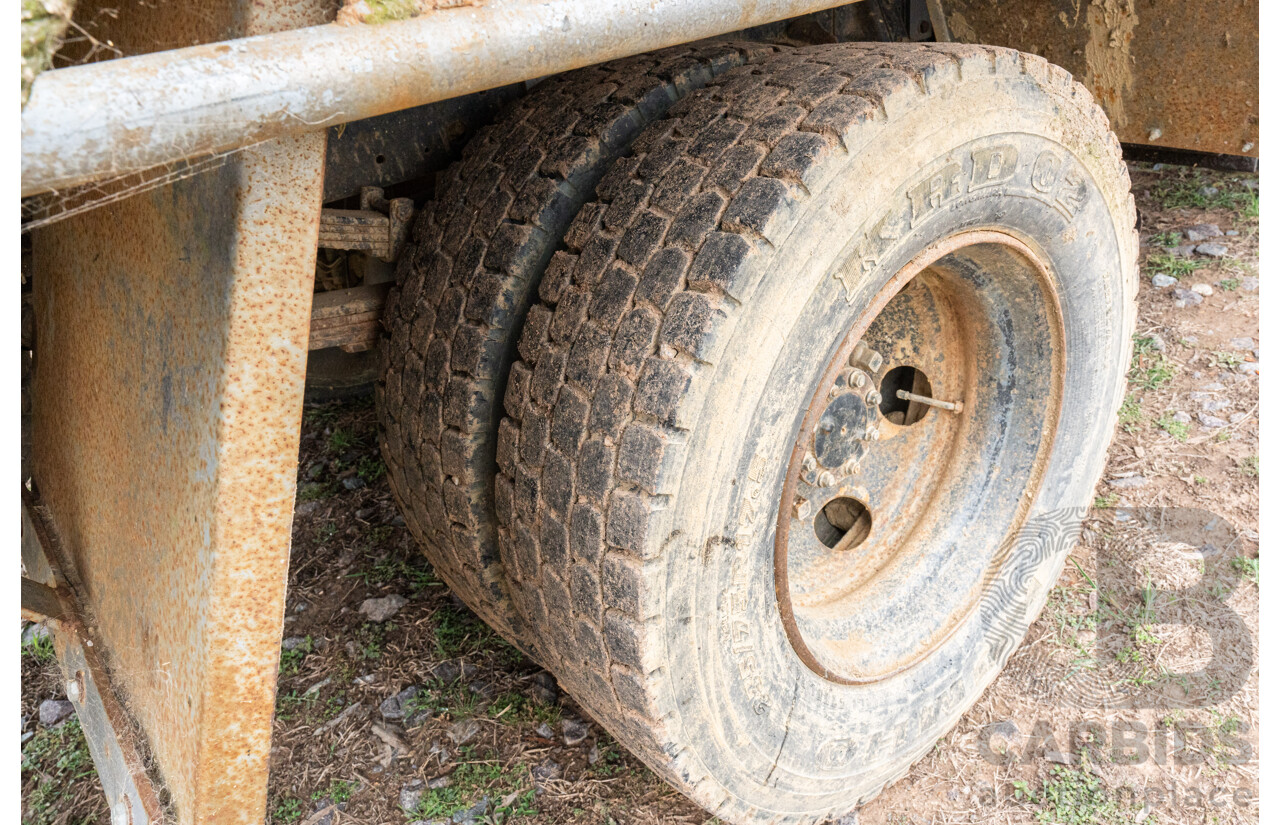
<point>1202,232</point>
<point>463,732</point>
<point>1161,280</point>
<point>575,731</point>
<point>381,609</point>
<point>1242,343</point>
<point>1202,289</point>
<point>53,712</point>
<point>1186,298</point>
<point>1128,483</point>
<point>1213,250</point>
<point>1210,421</point>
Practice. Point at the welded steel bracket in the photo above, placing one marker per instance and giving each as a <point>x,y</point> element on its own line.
<point>379,227</point>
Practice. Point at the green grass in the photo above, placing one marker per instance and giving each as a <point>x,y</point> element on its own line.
<point>339,791</point>
<point>1166,239</point>
<point>1227,360</point>
<point>1246,567</point>
<point>316,490</point>
<point>1130,413</point>
<point>1229,284</point>
<point>341,440</point>
<point>458,632</point>
<point>1249,465</point>
<point>1106,502</point>
<point>39,648</point>
<point>473,779</point>
<point>416,571</point>
<point>370,469</point>
<point>287,811</point>
<point>59,756</point>
<point>1184,192</point>
<point>1149,369</point>
<point>1177,429</point>
<point>517,709</point>
<point>1075,797</point>
<point>370,637</point>
<point>291,660</point>
<point>1173,265</point>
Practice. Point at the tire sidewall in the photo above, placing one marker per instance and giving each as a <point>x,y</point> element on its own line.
<point>770,730</point>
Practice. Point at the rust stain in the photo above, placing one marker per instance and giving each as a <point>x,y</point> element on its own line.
<point>1110,65</point>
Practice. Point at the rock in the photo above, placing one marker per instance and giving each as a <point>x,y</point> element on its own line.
<point>1242,343</point>
<point>353,482</point>
<point>1210,421</point>
<point>1237,417</point>
<point>54,712</point>
<point>1232,233</point>
<point>1184,251</point>
<point>1214,387</point>
<point>446,672</point>
<point>1214,405</point>
<point>1208,191</point>
<point>466,670</point>
<point>1128,483</point>
<point>1182,417</point>
<point>1161,280</point>
<point>1058,757</point>
<point>1202,289</point>
<point>394,707</point>
<point>411,794</point>
<point>379,610</point>
<point>314,470</point>
<point>574,731</point>
<point>474,813</point>
<point>1202,232</point>
<point>1190,340</point>
<point>306,508</point>
<point>483,689</point>
<point>311,490</point>
<point>439,783</point>
<point>1249,283</point>
<point>593,755</point>
<point>1186,298</point>
<point>33,633</point>
<point>1213,250</point>
<point>366,679</point>
<point>463,732</point>
<point>397,521</point>
<point>301,606</point>
<point>1157,342</point>
<point>545,690</point>
<point>544,730</point>
<point>1248,368</point>
<point>295,642</point>
<point>547,769</point>
<point>1250,184</point>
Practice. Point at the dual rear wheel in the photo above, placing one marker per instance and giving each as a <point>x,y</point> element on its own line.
<point>774,448</point>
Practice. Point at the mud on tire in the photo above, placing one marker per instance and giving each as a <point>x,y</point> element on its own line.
<point>469,274</point>
<point>665,379</point>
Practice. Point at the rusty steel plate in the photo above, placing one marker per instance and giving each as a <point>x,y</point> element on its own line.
<point>167,396</point>
<point>1181,74</point>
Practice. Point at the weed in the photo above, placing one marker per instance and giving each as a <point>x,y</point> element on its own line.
<point>1227,360</point>
<point>1223,435</point>
<point>1197,191</point>
<point>59,756</point>
<point>1229,284</point>
<point>416,571</point>
<point>291,660</point>
<point>341,440</point>
<point>1175,428</point>
<point>40,648</point>
<point>1173,265</point>
<point>1166,239</point>
<point>1149,369</point>
<point>516,708</point>
<point>1075,797</point>
<point>1249,465</point>
<point>339,791</point>
<point>370,637</point>
<point>470,780</point>
<point>287,811</point>
<point>458,632</point>
<point>1130,413</point>
<point>610,762</point>
<point>1106,502</point>
<point>292,703</point>
<point>1200,480</point>
<point>370,469</point>
<point>326,414</point>
<point>1246,567</point>
<point>316,491</point>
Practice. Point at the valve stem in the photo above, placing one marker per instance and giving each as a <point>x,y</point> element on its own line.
<point>953,406</point>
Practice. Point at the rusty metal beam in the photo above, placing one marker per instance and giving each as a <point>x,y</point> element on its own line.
<point>122,116</point>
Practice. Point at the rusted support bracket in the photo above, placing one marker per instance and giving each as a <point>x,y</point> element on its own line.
<point>347,318</point>
<point>379,227</point>
<point>111,735</point>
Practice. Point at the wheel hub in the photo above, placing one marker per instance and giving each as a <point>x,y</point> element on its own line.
<point>917,456</point>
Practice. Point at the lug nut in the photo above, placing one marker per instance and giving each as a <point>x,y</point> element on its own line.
<point>873,398</point>
<point>802,509</point>
<point>850,467</point>
<point>826,479</point>
<point>873,433</point>
<point>859,378</point>
<point>809,463</point>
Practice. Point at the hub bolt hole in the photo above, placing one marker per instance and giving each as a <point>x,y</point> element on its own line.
<point>843,522</point>
<point>897,410</point>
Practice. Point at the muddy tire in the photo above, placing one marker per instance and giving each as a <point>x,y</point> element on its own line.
<point>774,579</point>
<point>467,278</point>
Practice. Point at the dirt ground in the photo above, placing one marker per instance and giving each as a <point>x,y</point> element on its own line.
<point>1133,699</point>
